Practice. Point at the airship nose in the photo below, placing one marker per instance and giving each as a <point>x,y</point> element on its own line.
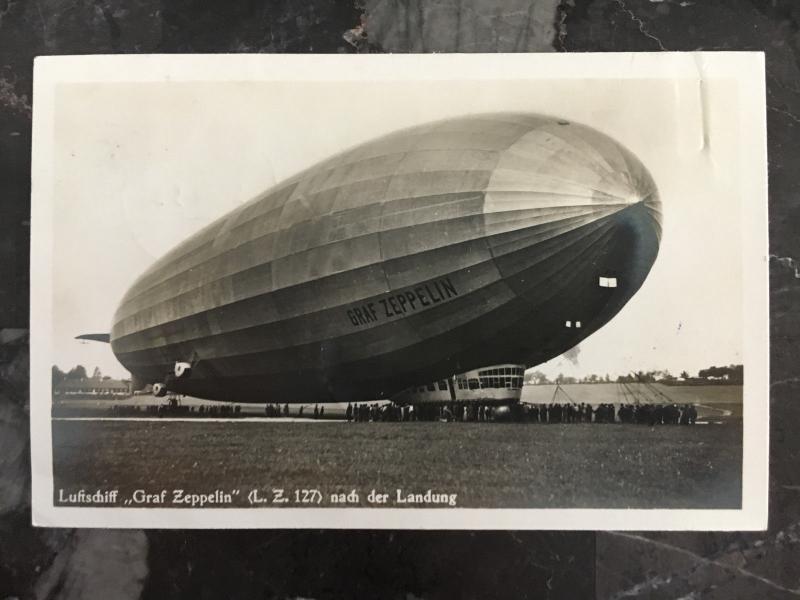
<point>568,204</point>
<point>561,175</point>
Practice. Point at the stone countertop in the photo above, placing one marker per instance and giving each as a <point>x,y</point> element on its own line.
<point>61,563</point>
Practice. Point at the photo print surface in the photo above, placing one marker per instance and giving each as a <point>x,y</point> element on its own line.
<point>419,292</point>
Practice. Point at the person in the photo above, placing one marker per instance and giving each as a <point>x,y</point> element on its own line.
<point>316,411</point>
<point>651,414</point>
<point>286,410</point>
<point>348,413</point>
<point>447,414</point>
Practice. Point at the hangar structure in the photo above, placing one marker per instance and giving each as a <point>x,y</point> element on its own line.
<point>479,240</point>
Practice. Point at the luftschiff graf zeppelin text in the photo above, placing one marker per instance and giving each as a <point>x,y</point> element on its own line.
<point>179,498</point>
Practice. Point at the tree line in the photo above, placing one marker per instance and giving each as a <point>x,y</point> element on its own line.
<point>76,373</point>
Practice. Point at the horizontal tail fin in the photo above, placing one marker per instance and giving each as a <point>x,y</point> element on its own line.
<point>95,337</point>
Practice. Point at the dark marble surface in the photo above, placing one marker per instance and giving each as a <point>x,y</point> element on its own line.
<point>59,563</point>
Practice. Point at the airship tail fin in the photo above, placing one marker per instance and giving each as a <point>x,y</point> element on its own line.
<point>95,337</point>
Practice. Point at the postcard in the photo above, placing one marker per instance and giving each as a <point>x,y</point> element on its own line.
<point>421,292</point>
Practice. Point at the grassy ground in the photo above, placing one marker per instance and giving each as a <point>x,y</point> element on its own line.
<point>487,465</point>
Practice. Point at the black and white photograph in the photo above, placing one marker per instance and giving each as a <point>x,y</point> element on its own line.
<point>419,292</point>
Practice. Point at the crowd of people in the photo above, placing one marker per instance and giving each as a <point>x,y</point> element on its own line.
<point>657,414</point>
<point>646,414</point>
<point>554,412</point>
<point>275,410</point>
<point>642,414</point>
<point>376,412</point>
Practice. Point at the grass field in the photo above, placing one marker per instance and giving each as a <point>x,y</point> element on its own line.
<point>485,464</point>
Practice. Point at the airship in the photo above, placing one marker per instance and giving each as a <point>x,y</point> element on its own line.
<point>488,239</point>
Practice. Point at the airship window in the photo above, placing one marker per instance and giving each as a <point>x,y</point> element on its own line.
<point>431,387</point>
<point>609,282</point>
<point>473,384</point>
<point>443,385</point>
<point>568,323</point>
<point>577,324</point>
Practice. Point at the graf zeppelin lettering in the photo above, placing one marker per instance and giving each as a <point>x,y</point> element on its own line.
<point>403,302</point>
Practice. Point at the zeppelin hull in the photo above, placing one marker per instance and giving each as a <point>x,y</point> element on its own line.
<point>435,250</point>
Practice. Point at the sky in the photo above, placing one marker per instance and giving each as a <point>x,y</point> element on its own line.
<point>141,166</point>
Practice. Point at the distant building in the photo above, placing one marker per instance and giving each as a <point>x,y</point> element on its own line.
<point>92,388</point>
